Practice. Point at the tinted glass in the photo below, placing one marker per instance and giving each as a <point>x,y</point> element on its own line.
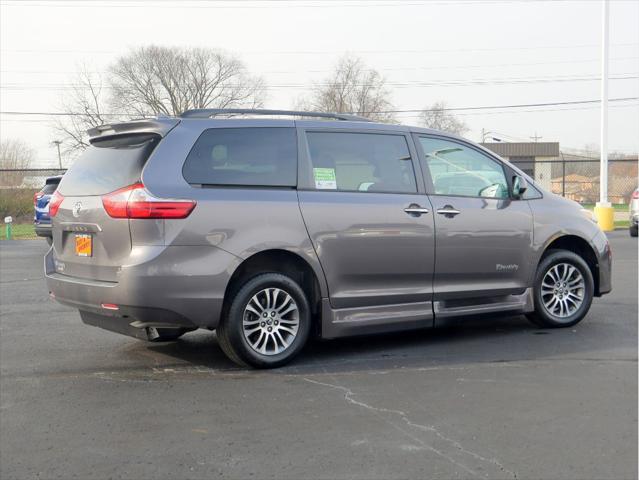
<point>364,162</point>
<point>531,193</point>
<point>49,188</point>
<point>244,156</point>
<point>108,165</point>
<point>460,170</point>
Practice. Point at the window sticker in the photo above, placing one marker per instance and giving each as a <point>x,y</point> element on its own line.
<point>325,178</point>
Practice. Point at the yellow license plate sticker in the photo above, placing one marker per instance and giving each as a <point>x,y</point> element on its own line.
<point>83,245</point>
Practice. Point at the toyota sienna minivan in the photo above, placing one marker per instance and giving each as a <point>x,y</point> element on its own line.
<point>271,230</point>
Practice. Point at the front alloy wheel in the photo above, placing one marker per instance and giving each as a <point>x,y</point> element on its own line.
<point>563,290</point>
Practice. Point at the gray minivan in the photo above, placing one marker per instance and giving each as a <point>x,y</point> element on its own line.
<point>270,230</point>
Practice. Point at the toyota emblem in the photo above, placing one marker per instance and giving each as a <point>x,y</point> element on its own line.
<point>76,209</point>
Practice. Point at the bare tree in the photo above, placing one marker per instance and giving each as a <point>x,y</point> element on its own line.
<point>438,118</point>
<point>352,88</point>
<point>85,108</point>
<point>154,81</point>
<point>14,155</point>
<point>161,80</point>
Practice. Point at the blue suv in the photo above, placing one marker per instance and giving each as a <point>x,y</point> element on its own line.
<point>41,218</point>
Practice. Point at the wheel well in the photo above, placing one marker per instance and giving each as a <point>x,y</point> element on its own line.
<point>577,245</point>
<point>277,261</point>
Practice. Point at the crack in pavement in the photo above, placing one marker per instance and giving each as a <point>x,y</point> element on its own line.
<point>377,411</point>
<point>180,368</point>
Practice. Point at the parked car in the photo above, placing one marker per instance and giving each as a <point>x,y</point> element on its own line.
<point>634,213</point>
<point>272,230</point>
<point>41,219</point>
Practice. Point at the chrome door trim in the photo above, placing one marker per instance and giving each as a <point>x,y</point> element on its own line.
<point>448,211</point>
<point>416,210</point>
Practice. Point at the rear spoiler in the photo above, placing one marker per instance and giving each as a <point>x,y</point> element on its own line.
<point>160,126</point>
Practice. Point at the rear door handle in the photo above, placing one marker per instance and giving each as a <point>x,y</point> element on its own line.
<point>416,210</point>
<point>447,210</point>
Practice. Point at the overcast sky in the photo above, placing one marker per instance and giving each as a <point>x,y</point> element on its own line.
<point>466,53</point>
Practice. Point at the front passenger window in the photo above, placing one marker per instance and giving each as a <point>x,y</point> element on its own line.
<point>456,169</point>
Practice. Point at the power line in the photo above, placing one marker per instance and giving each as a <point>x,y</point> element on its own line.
<point>250,4</point>
<point>442,83</point>
<point>451,109</point>
<point>19,2</point>
<point>336,52</point>
<point>413,115</point>
<point>535,110</point>
<point>383,69</point>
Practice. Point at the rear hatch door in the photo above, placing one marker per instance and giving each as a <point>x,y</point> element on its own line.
<point>88,243</point>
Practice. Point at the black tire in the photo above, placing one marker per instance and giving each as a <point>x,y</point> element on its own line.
<point>230,331</point>
<point>634,231</point>
<point>542,317</point>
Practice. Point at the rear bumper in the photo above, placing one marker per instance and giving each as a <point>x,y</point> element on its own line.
<point>118,325</point>
<point>169,287</point>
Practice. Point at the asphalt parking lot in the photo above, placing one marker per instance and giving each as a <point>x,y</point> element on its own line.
<point>494,398</point>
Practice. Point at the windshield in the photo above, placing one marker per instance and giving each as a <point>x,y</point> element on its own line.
<point>108,165</point>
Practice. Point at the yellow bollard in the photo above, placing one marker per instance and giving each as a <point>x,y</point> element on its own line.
<point>605,216</point>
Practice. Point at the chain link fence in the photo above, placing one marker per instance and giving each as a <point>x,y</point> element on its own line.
<point>578,180</point>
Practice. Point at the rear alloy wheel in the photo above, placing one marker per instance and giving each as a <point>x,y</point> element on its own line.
<point>563,290</point>
<point>267,323</point>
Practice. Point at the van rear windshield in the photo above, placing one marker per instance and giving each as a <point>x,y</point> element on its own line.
<point>108,164</point>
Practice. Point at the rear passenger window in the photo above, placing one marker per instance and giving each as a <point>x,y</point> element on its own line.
<point>244,156</point>
<point>364,162</point>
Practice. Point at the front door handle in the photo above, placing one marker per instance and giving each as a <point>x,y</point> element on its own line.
<point>448,210</point>
<point>416,210</point>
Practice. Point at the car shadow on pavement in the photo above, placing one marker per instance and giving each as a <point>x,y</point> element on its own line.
<point>506,339</point>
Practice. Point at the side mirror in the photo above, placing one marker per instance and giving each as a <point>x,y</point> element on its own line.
<point>520,185</point>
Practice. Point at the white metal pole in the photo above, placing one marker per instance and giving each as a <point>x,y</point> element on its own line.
<point>603,175</point>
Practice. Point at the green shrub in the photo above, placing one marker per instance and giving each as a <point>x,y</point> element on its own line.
<point>18,203</point>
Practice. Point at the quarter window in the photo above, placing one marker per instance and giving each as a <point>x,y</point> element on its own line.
<point>264,156</point>
<point>361,162</point>
<point>456,169</point>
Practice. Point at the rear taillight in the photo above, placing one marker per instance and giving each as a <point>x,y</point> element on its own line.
<point>135,202</point>
<point>54,203</point>
<point>635,194</point>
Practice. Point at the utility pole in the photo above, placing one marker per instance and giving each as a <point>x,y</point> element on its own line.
<point>603,209</point>
<point>535,138</point>
<point>57,144</point>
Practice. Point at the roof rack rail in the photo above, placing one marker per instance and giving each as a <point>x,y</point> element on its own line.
<point>211,112</point>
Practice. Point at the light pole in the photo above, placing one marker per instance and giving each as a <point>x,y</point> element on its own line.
<point>57,144</point>
<point>603,210</point>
